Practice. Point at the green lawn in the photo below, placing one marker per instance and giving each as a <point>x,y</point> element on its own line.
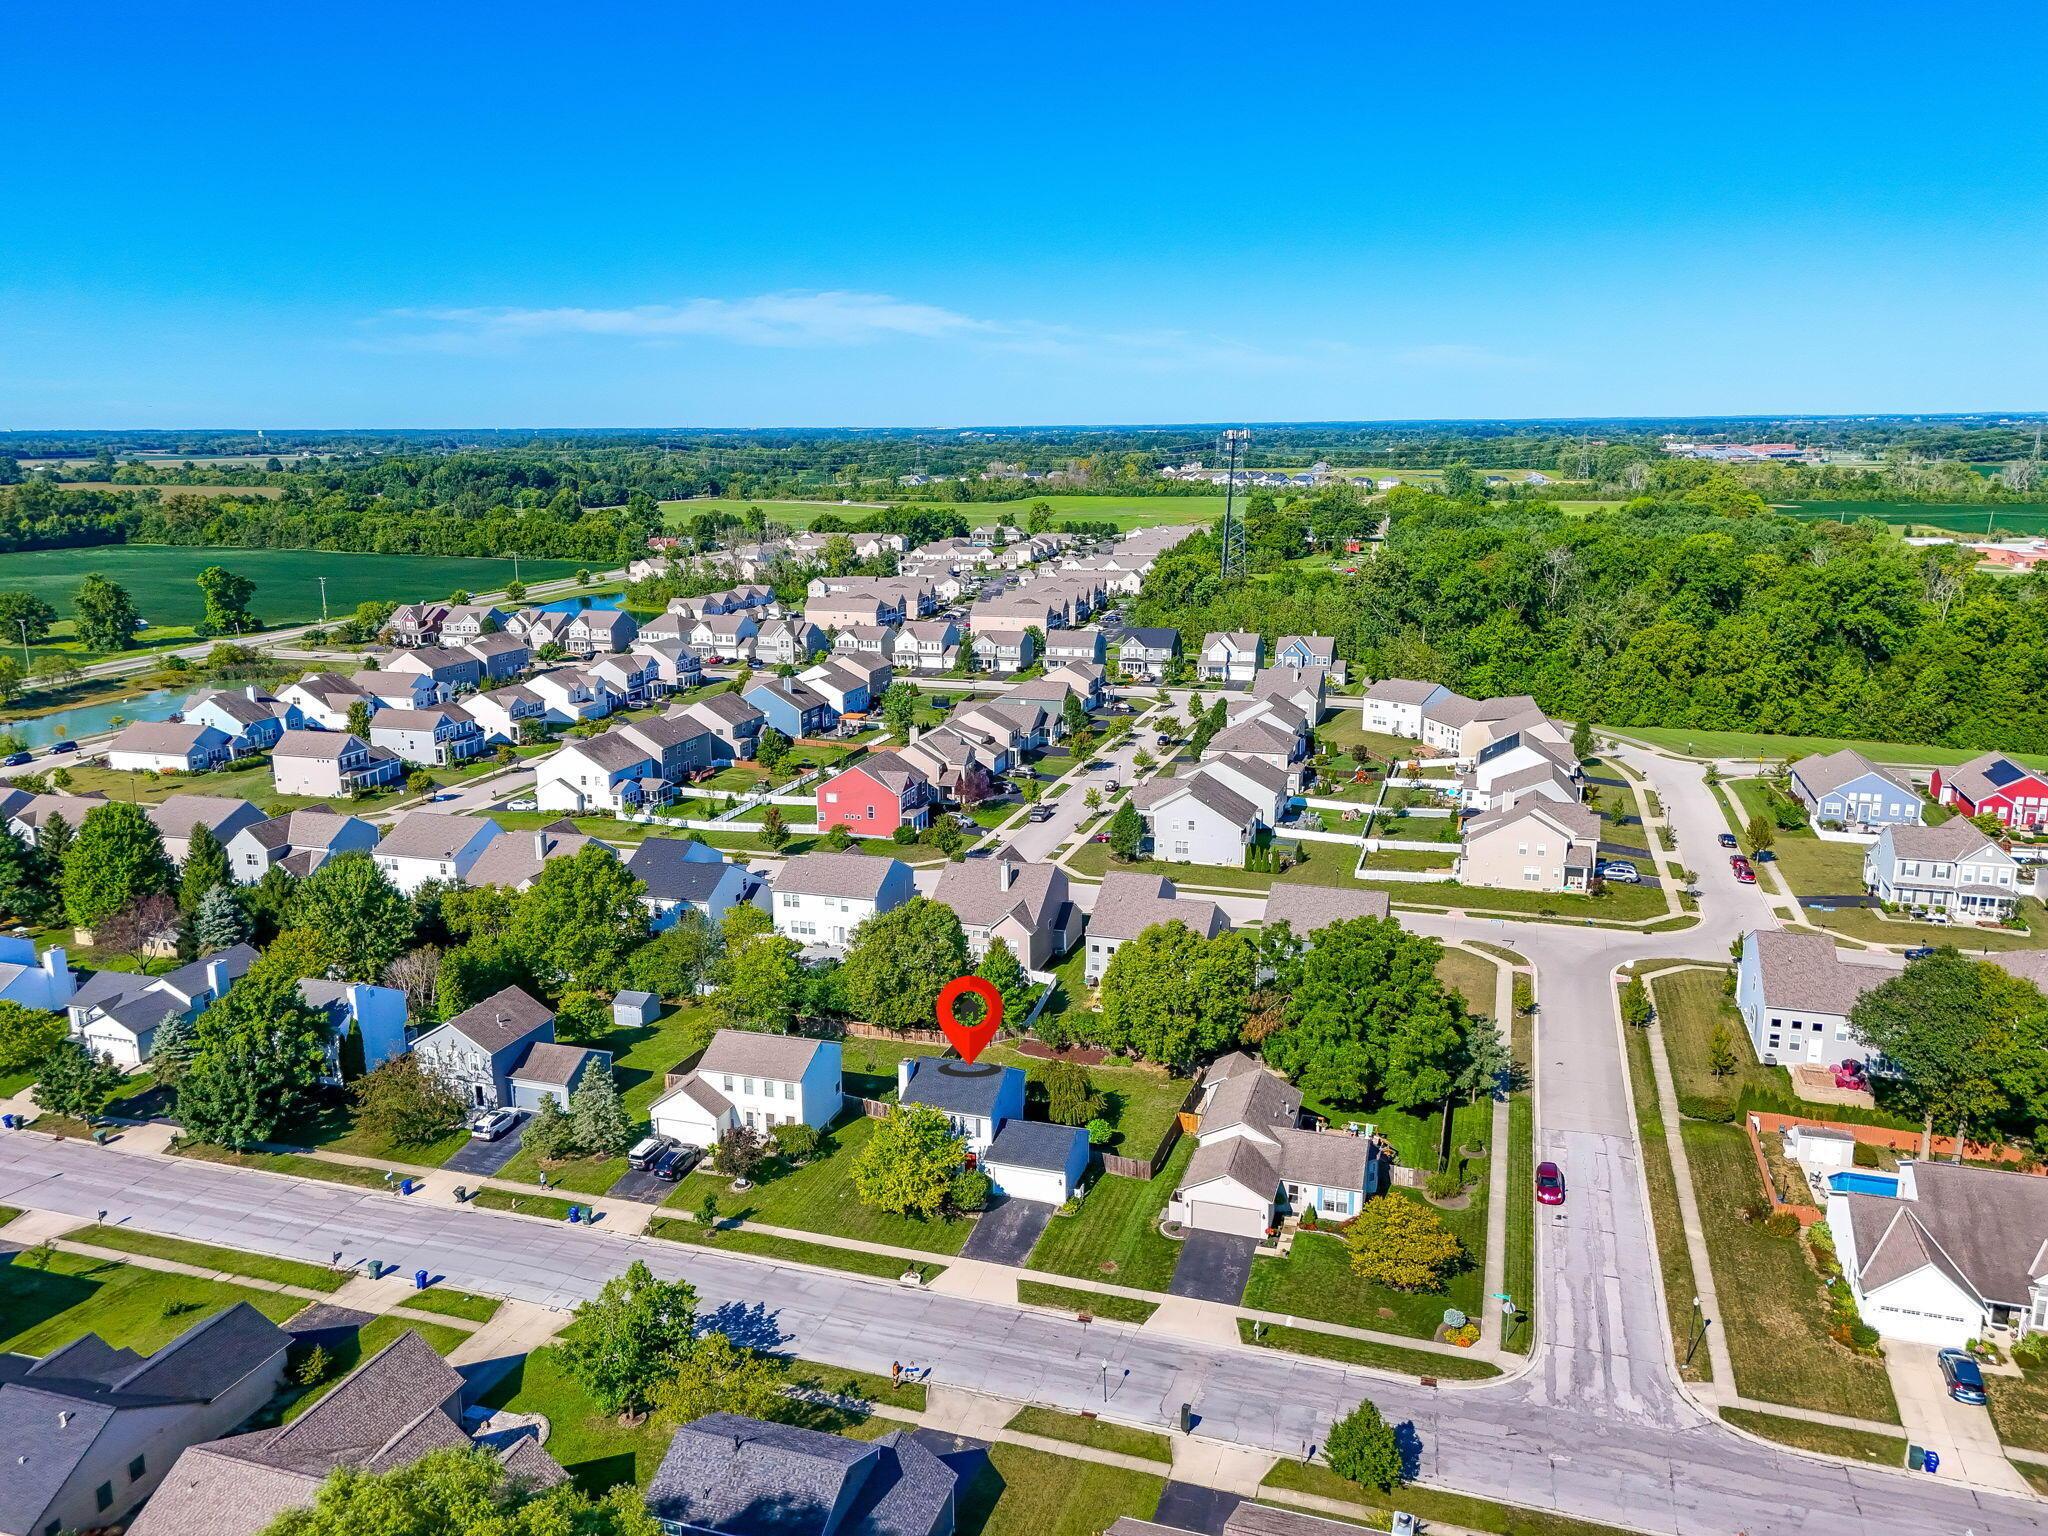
<point>1827,1439</point>
<point>1099,1434</point>
<point>1411,860</point>
<point>1115,1235</point>
<point>438,1298</point>
<point>294,1163</point>
<point>333,1128</point>
<point>1689,1004</point>
<point>1674,1258</point>
<point>45,1308</point>
<point>1519,1273</point>
<point>1472,977</point>
<point>1773,1314</point>
<point>1863,924</point>
<point>1369,1352</point>
<point>770,1245</point>
<point>7,1214</point>
<point>1776,749</point>
<point>1448,830</point>
<point>255,1266</point>
<point>1093,860</point>
<point>819,1197</point>
<point>1346,732</point>
<point>353,1350</point>
<point>2019,1409</point>
<point>1616,903</point>
<point>1433,1505</point>
<point>546,1206</point>
<point>1020,1492</point>
<point>1115,1309</point>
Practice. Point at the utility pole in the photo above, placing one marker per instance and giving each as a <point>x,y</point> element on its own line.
<point>1230,557</point>
<point>323,597</point>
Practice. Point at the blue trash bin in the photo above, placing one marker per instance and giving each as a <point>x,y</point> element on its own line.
<point>1933,1461</point>
<point>405,1186</point>
<point>419,1279</point>
<point>575,1213</point>
<point>8,1121</point>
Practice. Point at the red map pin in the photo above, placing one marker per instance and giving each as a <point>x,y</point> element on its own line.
<point>970,1039</point>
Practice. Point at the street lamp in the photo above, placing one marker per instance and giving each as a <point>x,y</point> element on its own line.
<point>323,597</point>
<point>1701,1323</point>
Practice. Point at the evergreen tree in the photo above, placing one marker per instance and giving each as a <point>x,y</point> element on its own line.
<point>206,870</point>
<point>75,1082</point>
<point>549,1134</point>
<point>24,886</point>
<point>1126,831</point>
<point>597,1115</point>
<point>171,1050</point>
<point>220,923</point>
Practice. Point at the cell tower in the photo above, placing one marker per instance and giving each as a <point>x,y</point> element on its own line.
<point>1230,559</point>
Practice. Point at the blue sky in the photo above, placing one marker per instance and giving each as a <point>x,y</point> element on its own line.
<point>669,214</point>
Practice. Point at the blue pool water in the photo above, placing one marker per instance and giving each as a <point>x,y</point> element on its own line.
<point>1865,1184</point>
<point>578,604</point>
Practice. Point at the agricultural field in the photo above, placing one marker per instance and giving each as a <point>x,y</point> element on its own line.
<point>1125,511</point>
<point>1975,518</point>
<point>163,579</point>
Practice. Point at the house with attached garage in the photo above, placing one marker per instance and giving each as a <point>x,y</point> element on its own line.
<point>1083,645</point>
<point>1394,706</point>
<point>792,706</point>
<point>754,1080</point>
<point>1037,1161</point>
<point>844,685</point>
<point>1308,909</point>
<point>179,816</point>
<point>865,639</point>
<point>297,842</point>
<point>1146,654</point>
<point>1304,689</point>
<point>570,696</point>
<point>454,670</point>
<point>26,814</point>
<point>169,746</point>
<point>1484,784</point>
<point>1952,869</point>
<point>1959,1253</point>
<point>423,846</point>
<point>608,774</point>
<point>683,875</point>
<point>464,622</point>
<point>975,1097</point>
<point>1993,785</point>
<point>734,724</point>
<point>788,642</point>
<point>926,645</point>
<point>515,860</point>
<point>252,718</point>
<point>1537,844</point>
<point>415,623</point>
<point>117,1013</point>
<point>91,1430</point>
<point>401,690</point>
<point>1266,740</point>
<point>507,716</point>
<point>875,796</point>
<point>726,635</point>
<point>1126,904</point>
<point>600,632</point>
<point>499,655</point>
<point>437,737</point>
<point>1003,648</point>
<point>675,666</point>
<point>1256,1161</point>
<point>1304,653</point>
<point>501,1053</point>
<point>1230,656</point>
<point>1197,819</point>
<point>331,765</point>
<point>953,760</point>
<point>821,898</point>
<point>325,699</point>
<point>1026,905</point>
<point>1846,789</point>
<point>1795,991</point>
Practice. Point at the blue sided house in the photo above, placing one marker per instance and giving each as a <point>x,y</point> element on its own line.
<point>1024,1159</point>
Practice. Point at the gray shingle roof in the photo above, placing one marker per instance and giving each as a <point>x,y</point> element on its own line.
<point>847,875</point>
<point>1804,971</point>
<point>955,1086</point>
<point>1985,1228</point>
<point>749,1053</point>
<point>1329,1158</point>
<point>974,890</point>
<point>1402,690</point>
<point>1821,772</point>
<point>1034,1144</point>
<point>1126,904</point>
<point>1307,908</point>
<point>501,1019</point>
<point>555,1065</point>
<point>748,1477</point>
<point>1237,1158</point>
<point>1264,1101</point>
<point>430,835</point>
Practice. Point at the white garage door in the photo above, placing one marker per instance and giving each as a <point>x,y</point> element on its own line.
<point>1209,1216</point>
<point>1027,1183</point>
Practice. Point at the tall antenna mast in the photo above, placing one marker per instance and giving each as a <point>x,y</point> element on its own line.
<point>1230,560</point>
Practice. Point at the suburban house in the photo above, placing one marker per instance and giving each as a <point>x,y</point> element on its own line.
<point>501,1052</point>
<point>1264,739</point>
<point>1146,654</point>
<point>1127,903</point>
<point>1230,656</point>
<point>1518,762</point>
<point>299,842</point>
<point>1952,868</point>
<point>1197,819</point>
<point>1026,905</point>
<point>734,724</point>
<point>1308,909</point>
<point>1794,992</point>
<point>671,663</point>
<point>415,623</point>
<point>1846,789</point>
<point>499,656</point>
<point>570,695</point>
<point>600,632</point>
<point>169,746</point>
<point>726,636</point>
<point>1303,689</point>
<point>26,813</point>
<point>1960,1253</point>
<point>1462,728</point>
<point>843,684</point>
<point>868,639</point>
<point>41,984</point>
<point>116,1013</point>
<point>401,690</point>
<point>791,706</point>
<point>507,716</point>
<point>179,816</point>
<point>1993,785</point>
<point>875,796</point>
<point>252,719</point>
<point>755,1080</point>
<point>844,610</point>
<point>820,898</point>
<point>376,1015</point>
<point>92,1430</point>
<point>437,737</point>
<point>952,760</point>
<point>1303,653</point>
<point>926,645</point>
<point>724,1475</point>
<point>515,860</point>
<point>1394,706</point>
<point>464,622</point>
<point>610,773</point>
<point>325,699</point>
<point>1083,645</point>
<point>684,875</point>
<point>422,846</point>
<point>1536,844</point>
<point>790,641</point>
<point>453,670</point>
<point>1002,648</point>
<point>400,1404</point>
<point>975,1097</point>
<point>331,765</point>
<point>1255,1162</point>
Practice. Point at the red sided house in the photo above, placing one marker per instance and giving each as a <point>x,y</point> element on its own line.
<point>875,796</point>
<point>2017,796</point>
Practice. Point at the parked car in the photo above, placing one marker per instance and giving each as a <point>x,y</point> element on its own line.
<point>1960,1375</point>
<point>13,760</point>
<point>1113,786</point>
<point>673,1163</point>
<point>1919,951</point>
<point>645,1151</point>
<point>62,747</point>
<point>1742,869</point>
<point>522,803</point>
<point>492,1124</point>
<point>1040,813</point>
<point>1728,840</point>
<point>1549,1184</point>
<point>1620,873</point>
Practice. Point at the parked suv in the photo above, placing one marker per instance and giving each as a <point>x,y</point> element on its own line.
<point>647,1151</point>
<point>1960,1375</point>
<point>492,1124</point>
<point>673,1163</point>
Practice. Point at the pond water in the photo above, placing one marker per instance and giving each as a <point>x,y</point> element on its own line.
<point>92,719</point>
<point>578,604</point>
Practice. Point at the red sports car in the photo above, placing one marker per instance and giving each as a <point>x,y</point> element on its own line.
<point>1549,1184</point>
<point>1742,869</point>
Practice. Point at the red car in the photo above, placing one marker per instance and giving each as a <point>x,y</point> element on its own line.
<point>1742,870</point>
<point>1549,1184</point>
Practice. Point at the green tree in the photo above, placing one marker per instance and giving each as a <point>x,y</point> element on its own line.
<point>206,870</point>
<point>1582,741</point>
<point>762,981</point>
<point>1404,1245</point>
<point>365,919</point>
<point>11,675</point>
<point>597,1114</point>
<point>28,1036</point>
<point>1368,1020</point>
<point>219,923</point>
<point>1636,1008</point>
<point>549,1134</point>
<point>770,748</point>
<point>1074,714</point>
<point>581,920</point>
<point>908,1164</point>
<point>171,1047</point>
<point>740,1150</point>
<point>1721,1058</point>
<point>774,831</point>
<point>457,1492</point>
<point>1761,833</point>
<point>899,709</point>
<point>1126,832</point>
<point>674,961</point>
<point>1069,1097</point>
<point>899,960</point>
<point>1001,969</point>
<point>403,1103</point>
<point>75,1082</point>
<point>226,596</point>
<point>1176,998</point>
<point>104,615</point>
<point>260,1050</point>
<point>721,1377</point>
<point>25,619</point>
<point>632,1338</point>
<point>26,893</point>
<point>359,719</point>
<point>117,857</point>
<point>582,1018</point>
<point>1362,1447</point>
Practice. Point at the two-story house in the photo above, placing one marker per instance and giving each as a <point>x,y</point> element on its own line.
<point>792,706</point>
<point>456,671</point>
<point>1146,654</point>
<point>252,718</point>
<point>169,746</point>
<point>499,655</point>
<point>331,764</point>
<point>734,724</point>
<point>605,774</point>
<point>425,846</point>
<point>1127,903</point>
<point>757,1081</point>
<point>926,645</point>
<point>1255,1162</point>
<point>507,716</point>
<point>117,1013</point>
<point>1026,905</point>
<point>324,699</point>
<point>1846,789</point>
<point>788,642</point>
<point>600,632</point>
<point>178,817</point>
<point>821,898</point>
<point>402,690</point>
<point>875,796</point>
<point>1994,785</point>
<point>298,842</point>
<point>682,875</point>
<point>501,1053</point>
<point>438,737</point>
<point>1536,844</point>
<point>1395,706</point>
<point>1794,992</point>
<point>1953,869</point>
<point>1230,656</point>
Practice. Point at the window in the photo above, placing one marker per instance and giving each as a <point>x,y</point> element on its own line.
<point>136,1468</point>
<point>726,1083</point>
<point>789,1090</point>
<point>103,1496</point>
<point>747,1085</point>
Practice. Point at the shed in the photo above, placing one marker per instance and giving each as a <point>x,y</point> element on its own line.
<point>632,1009</point>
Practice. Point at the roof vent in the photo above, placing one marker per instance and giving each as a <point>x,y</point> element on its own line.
<point>63,1418</point>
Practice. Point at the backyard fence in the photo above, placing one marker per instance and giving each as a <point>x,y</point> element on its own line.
<point>1148,1168</point>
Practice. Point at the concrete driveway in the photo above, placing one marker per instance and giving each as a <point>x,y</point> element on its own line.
<point>1007,1233</point>
<point>1213,1266</point>
<point>1962,1434</point>
<point>489,1156</point>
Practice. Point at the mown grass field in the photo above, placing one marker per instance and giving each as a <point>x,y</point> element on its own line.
<point>1698,742</point>
<point>46,1306</point>
<point>1125,511</point>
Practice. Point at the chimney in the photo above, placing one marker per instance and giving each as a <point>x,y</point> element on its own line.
<point>63,1418</point>
<point>217,978</point>
<point>540,844</point>
<point>250,693</point>
<point>903,1071</point>
<point>1006,873</point>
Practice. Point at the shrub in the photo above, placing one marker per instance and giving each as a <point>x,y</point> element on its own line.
<point>1868,1156</point>
<point>313,1366</point>
<point>971,1190</point>
<point>796,1142</point>
<point>1099,1132</point>
<point>1363,1448</point>
<point>1699,1107</point>
<point>1782,1224</point>
<point>1399,1243</point>
<point>1444,1184</point>
<point>904,835</point>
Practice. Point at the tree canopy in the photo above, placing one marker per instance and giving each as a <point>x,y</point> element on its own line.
<point>1176,998</point>
<point>899,960</point>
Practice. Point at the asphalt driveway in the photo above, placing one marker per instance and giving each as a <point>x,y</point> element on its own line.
<point>639,1184</point>
<point>1213,1266</point>
<point>489,1156</point>
<point>1007,1233</point>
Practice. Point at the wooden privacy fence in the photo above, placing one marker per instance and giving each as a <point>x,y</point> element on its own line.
<point>1148,1168</point>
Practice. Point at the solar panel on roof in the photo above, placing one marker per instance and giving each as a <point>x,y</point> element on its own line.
<point>2004,772</point>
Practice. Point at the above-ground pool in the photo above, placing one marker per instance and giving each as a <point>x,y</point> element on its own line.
<point>1886,1184</point>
